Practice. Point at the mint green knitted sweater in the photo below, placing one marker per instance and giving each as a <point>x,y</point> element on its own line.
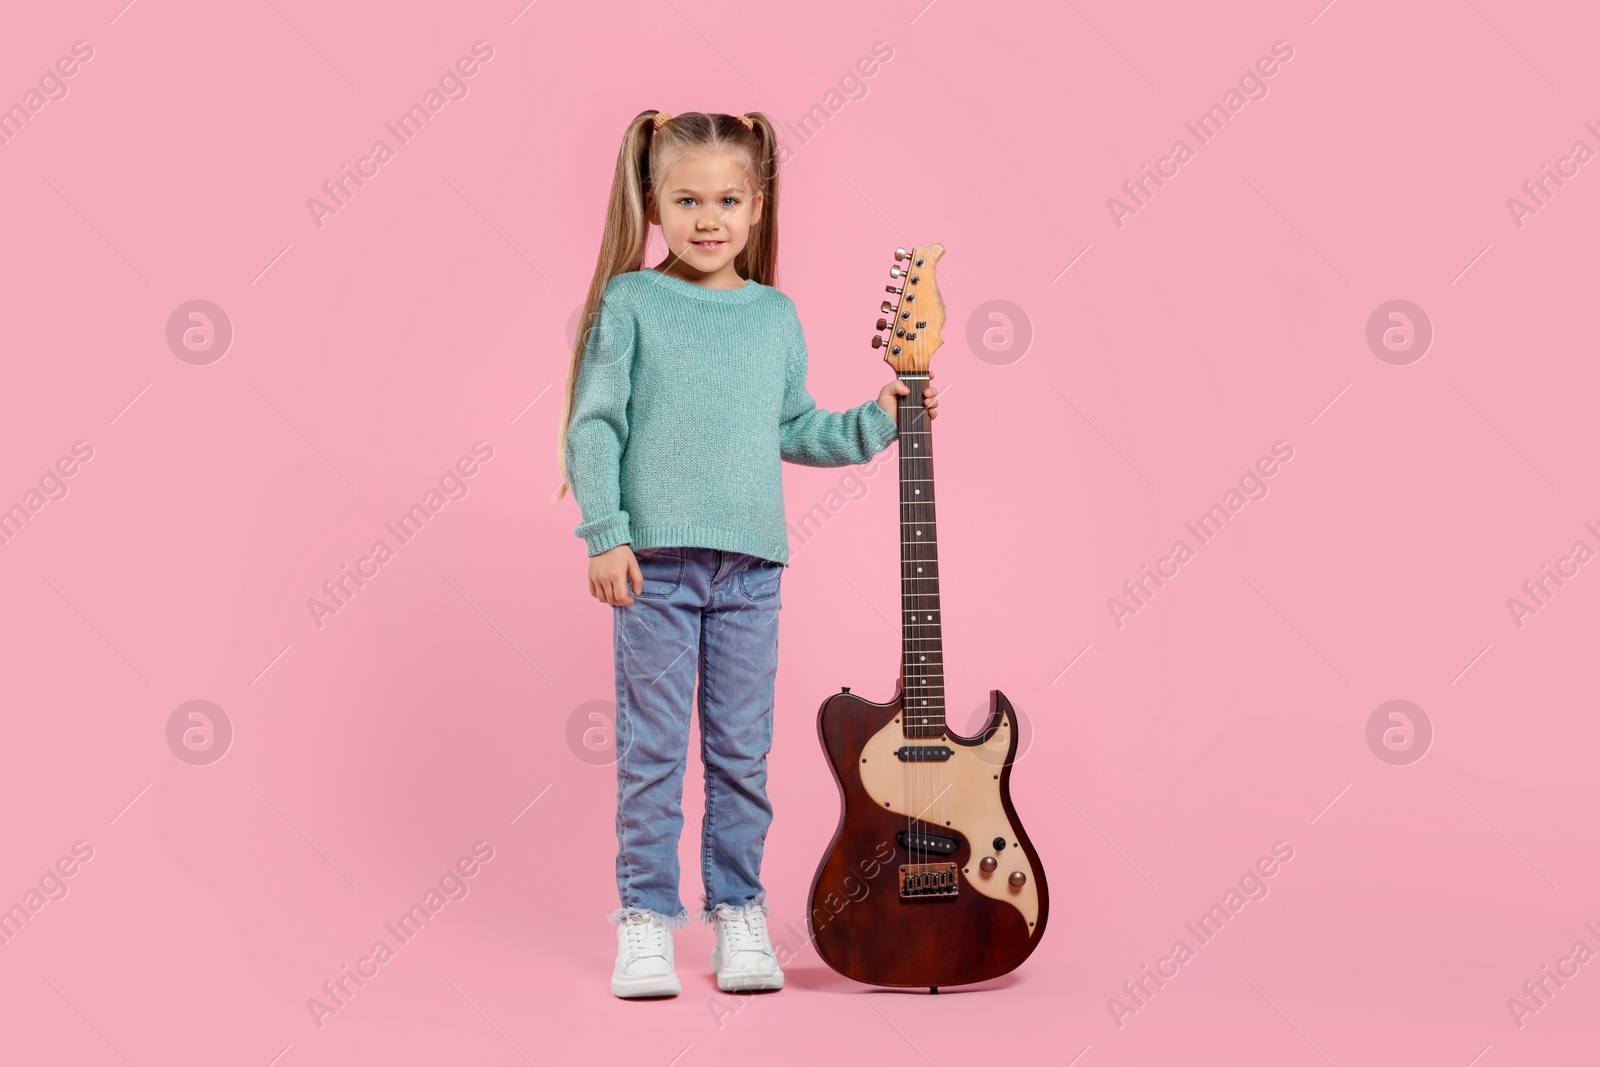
<point>687,401</point>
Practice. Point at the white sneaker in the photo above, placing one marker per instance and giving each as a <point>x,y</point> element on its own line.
<point>742,958</point>
<point>644,959</point>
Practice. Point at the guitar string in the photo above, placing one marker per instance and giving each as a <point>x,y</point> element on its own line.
<point>937,768</point>
<point>919,782</point>
<point>926,799</point>
<point>926,551</point>
<point>908,649</point>
<point>914,418</point>
<point>916,607</point>
<point>907,668</point>
<point>905,679</point>
<point>908,610</point>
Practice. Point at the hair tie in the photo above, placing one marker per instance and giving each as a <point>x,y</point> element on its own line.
<point>748,124</point>
<point>661,118</point>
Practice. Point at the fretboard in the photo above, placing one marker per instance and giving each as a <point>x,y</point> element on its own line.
<point>922,666</point>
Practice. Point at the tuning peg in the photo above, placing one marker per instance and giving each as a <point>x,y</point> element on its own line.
<point>883,324</point>
<point>897,272</point>
<point>877,341</point>
<point>900,254</point>
<point>893,289</point>
<point>887,308</point>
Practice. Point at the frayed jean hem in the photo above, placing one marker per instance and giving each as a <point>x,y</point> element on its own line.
<point>674,922</point>
<point>708,910</point>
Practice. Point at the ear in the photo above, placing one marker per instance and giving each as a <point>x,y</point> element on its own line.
<point>756,207</point>
<point>650,212</point>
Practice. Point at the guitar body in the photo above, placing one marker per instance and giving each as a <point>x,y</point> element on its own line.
<point>860,923</point>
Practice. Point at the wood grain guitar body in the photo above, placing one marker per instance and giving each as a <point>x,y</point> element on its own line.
<point>893,811</point>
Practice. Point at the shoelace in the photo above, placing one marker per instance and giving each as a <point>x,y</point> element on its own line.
<point>745,931</point>
<point>646,937</point>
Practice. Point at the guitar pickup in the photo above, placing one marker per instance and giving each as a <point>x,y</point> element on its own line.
<point>928,880</point>
<point>923,753</point>
<point>926,843</point>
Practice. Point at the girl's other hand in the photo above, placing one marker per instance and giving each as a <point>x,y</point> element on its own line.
<point>897,388</point>
<point>611,573</point>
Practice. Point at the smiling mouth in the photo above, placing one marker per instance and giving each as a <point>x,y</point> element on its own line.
<point>708,245</point>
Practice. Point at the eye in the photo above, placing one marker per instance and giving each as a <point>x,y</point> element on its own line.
<point>734,199</point>
<point>681,199</point>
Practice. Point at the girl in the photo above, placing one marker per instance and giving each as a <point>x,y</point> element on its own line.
<point>685,391</point>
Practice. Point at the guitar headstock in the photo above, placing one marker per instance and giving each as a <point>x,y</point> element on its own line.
<point>915,318</point>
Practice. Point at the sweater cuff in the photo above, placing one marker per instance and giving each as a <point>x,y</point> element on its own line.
<point>602,535</point>
<point>880,426</point>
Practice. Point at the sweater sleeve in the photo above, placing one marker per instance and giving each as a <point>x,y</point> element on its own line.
<point>598,432</point>
<point>813,437</point>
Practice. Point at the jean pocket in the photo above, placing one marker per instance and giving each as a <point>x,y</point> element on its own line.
<point>760,580</point>
<point>662,569</point>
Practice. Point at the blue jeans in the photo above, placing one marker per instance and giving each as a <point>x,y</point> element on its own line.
<point>713,612</point>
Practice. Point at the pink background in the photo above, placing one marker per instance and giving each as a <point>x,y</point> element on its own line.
<point>431,312</point>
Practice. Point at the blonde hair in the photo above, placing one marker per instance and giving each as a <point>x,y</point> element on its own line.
<point>648,152</point>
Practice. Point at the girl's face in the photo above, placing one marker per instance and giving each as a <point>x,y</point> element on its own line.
<point>705,207</point>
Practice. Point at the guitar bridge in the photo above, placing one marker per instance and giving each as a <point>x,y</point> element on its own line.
<point>928,880</point>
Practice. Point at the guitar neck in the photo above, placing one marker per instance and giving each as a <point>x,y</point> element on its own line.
<point>922,663</point>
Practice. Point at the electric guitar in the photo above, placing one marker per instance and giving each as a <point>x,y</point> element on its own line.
<point>930,879</point>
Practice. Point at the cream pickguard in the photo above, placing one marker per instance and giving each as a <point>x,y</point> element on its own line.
<point>961,793</point>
